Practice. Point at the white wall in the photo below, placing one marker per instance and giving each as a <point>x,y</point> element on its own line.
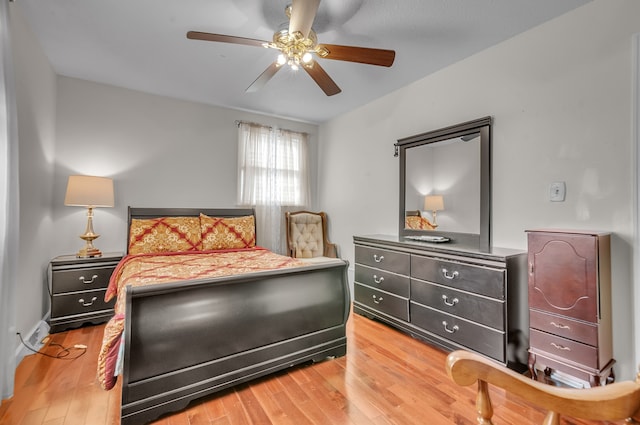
<point>560,96</point>
<point>35,98</point>
<point>161,152</point>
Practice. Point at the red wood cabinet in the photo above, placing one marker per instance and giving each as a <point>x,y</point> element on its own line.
<point>570,304</point>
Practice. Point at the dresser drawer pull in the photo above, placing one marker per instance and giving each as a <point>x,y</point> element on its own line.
<point>87,304</point>
<point>83,280</point>
<point>560,326</point>
<point>560,347</point>
<point>378,259</point>
<point>377,299</point>
<point>451,303</point>
<point>446,274</point>
<point>377,279</point>
<point>452,330</point>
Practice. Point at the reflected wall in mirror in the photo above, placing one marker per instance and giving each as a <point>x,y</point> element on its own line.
<point>445,183</point>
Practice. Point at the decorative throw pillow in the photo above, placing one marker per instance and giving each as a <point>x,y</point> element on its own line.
<point>165,234</point>
<point>227,232</point>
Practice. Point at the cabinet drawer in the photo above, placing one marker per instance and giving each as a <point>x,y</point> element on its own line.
<point>471,335</point>
<point>380,279</point>
<point>488,311</point>
<point>476,279</point>
<point>79,302</point>
<point>564,348</point>
<point>392,261</point>
<point>384,302</point>
<point>81,279</point>
<point>564,327</point>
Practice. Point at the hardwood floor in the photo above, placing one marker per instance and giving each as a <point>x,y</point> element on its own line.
<point>386,378</point>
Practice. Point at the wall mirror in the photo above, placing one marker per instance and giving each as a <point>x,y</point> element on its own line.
<point>445,185</point>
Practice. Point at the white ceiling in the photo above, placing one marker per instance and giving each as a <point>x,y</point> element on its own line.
<point>142,45</point>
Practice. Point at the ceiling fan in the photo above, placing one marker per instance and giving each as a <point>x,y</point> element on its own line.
<point>298,44</point>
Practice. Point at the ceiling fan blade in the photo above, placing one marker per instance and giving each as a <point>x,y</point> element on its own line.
<point>266,75</point>
<point>366,55</point>
<point>303,12</point>
<point>322,79</point>
<point>197,35</point>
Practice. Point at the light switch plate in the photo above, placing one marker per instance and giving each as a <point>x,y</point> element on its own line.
<point>557,192</point>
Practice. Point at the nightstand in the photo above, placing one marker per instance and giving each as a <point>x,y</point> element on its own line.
<point>77,287</point>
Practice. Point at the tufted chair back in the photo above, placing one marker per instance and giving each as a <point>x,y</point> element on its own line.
<point>307,235</point>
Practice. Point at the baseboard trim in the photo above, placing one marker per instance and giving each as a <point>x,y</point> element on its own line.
<point>33,340</point>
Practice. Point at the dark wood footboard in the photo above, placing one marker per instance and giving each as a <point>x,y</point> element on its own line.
<point>190,339</point>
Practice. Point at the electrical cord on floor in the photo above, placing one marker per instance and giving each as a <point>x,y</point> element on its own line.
<point>63,354</point>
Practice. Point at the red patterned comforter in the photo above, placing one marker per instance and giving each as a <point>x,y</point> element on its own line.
<point>152,269</point>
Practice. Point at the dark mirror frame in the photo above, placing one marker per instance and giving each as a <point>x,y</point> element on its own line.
<point>481,241</point>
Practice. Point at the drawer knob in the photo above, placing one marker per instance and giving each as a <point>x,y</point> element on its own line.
<point>446,327</point>
<point>561,326</point>
<point>83,280</point>
<point>87,304</point>
<point>377,299</point>
<point>560,347</point>
<point>451,303</point>
<point>448,275</point>
<point>378,259</point>
<point>377,279</point>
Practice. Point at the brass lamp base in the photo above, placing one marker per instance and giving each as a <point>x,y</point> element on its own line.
<point>89,236</point>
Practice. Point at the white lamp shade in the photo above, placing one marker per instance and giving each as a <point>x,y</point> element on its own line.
<point>89,191</point>
<point>433,203</point>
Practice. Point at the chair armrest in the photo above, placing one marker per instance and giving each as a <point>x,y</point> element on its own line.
<point>615,401</point>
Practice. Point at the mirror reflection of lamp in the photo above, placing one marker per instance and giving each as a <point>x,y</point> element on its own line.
<point>89,192</point>
<point>434,203</point>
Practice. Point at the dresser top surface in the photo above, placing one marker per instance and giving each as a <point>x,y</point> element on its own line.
<point>450,247</point>
<point>73,259</point>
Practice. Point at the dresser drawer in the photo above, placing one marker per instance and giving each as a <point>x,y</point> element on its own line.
<point>396,262</point>
<point>476,279</point>
<point>476,337</point>
<point>384,302</point>
<point>488,311</point>
<point>81,279</point>
<point>79,302</point>
<point>564,348</point>
<point>383,280</point>
<point>563,326</point>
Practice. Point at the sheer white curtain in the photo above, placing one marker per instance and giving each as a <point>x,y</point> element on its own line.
<point>8,209</point>
<point>273,176</point>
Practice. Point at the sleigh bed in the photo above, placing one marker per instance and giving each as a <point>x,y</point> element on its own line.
<point>231,312</point>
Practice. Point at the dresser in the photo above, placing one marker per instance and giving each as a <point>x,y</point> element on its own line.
<point>449,295</point>
<point>570,304</point>
<point>77,287</point>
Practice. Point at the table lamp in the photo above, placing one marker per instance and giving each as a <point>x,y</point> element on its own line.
<point>89,192</point>
<point>434,203</point>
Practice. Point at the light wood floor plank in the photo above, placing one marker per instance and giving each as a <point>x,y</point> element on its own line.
<point>386,378</point>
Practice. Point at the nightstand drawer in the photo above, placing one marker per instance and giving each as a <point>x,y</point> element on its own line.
<point>564,348</point>
<point>384,302</point>
<point>565,327</point>
<point>81,279</point>
<point>487,311</point>
<point>79,302</point>
<point>476,279</point>
<point>383,280</point>
<point>396,262</point>
<point>476,337</point>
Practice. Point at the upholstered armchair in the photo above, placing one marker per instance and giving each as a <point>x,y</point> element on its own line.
<point>307,235</point>
<point>620,400</point>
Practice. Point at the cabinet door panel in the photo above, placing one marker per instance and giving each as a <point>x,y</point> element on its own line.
<point>563,274</point>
